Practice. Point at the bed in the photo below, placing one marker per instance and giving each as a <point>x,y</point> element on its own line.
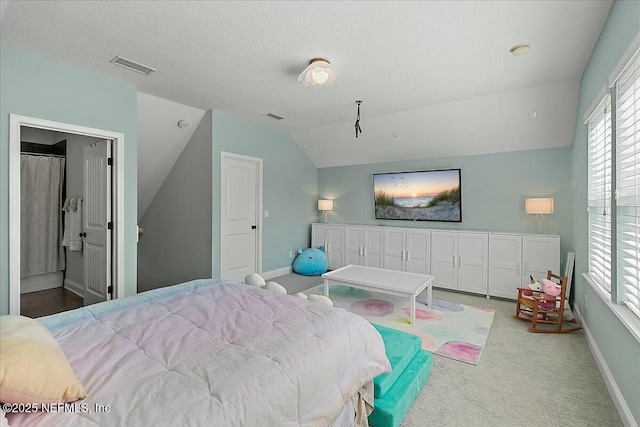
<point>211,352</point>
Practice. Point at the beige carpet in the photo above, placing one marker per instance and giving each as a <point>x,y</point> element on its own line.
<point>523,379</point>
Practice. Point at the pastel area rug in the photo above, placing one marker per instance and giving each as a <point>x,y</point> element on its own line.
<point>456,331</point>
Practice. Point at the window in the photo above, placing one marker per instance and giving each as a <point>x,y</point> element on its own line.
<point>628,183</point>
<point>623,154</point>
<point>599,194</point>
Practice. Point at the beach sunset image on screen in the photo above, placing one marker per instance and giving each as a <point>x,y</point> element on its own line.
<point>418,196</point>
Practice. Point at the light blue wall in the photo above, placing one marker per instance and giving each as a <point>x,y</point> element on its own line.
<point>38,87</point>
<point>619,348</point>
<point>494,188</point>
<point>290,187</point>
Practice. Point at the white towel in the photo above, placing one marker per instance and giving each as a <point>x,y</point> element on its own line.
<point>75,241</point>
<point>66,237</point>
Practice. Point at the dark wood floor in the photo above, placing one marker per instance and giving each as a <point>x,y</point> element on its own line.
<point>51,301</point>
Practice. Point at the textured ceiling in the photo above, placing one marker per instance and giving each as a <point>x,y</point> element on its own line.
<point>437,74</point>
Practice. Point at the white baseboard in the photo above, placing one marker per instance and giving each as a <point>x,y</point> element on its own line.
<point>41,282</point>
<point>74,287</point>
<point>275,273</point>
<point>616,395</point>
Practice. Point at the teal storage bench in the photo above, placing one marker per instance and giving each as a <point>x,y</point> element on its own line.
<point>395,392</point>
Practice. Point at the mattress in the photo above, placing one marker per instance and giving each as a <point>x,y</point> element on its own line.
<point>211,352</point>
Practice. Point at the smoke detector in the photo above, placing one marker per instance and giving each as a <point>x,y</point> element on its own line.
<point>183,124</point>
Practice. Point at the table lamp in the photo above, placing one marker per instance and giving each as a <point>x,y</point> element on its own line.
<point>539,207</point>
<point>325,206</point>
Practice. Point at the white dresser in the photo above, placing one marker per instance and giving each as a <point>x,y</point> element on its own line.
<point>487,263</point>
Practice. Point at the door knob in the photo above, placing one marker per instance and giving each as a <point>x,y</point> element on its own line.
<point>83,234</point>
<point>253,227</point>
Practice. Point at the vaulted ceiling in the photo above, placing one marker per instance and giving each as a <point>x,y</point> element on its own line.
<point>436,77</point>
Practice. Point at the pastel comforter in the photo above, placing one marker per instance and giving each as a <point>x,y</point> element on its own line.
<point>214,353</point>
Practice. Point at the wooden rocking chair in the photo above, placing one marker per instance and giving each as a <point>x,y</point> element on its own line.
<point>531,308</point>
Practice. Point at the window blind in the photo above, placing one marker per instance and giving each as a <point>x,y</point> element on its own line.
<point>628,183</point>
<point>599,194</point>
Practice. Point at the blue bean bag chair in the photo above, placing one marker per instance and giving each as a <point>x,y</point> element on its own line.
<point>311,262</point>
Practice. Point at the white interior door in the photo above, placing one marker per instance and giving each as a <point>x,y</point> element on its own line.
<point>240,207</point>
<point>96,208</point>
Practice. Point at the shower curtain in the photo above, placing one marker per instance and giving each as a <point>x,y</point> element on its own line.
<point>41,180</point>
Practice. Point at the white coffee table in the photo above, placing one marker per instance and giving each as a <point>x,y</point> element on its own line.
<point>391,282</point>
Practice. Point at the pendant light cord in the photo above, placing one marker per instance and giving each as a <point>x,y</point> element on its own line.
<point>358,128</point>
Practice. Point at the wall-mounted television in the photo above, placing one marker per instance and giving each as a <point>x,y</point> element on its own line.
<point>431,195</point>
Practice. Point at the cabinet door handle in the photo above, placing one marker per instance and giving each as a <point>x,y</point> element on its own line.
<point>459,260</point>
<point>454,261</point>
<point>406,258</point>
<point>364,251</point>
<point>517,268</point>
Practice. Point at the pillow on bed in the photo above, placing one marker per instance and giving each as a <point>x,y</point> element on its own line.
<point>33,367</point>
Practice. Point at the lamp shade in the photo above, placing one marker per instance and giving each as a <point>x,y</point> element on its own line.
<point>325,205</point>
<point>539,206</point>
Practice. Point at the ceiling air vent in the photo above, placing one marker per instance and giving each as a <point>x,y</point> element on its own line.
<point>133,65</point>
<point>274,116</point>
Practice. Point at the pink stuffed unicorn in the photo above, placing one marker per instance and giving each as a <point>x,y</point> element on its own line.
<point>550,289</point>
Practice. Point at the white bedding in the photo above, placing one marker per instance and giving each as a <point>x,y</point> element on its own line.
<point>213,353</point>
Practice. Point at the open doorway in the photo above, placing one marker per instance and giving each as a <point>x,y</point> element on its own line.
<point>58,266</point>
<point>93,271</point>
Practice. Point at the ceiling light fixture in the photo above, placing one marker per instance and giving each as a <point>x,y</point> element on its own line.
<point>318,72</point>
<point>520,49</point>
